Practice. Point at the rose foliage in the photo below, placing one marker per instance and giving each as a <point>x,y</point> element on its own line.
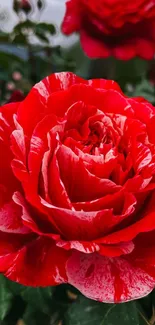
<point>77,189</point>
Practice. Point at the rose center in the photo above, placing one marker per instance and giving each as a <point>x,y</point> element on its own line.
<point>98,136</point>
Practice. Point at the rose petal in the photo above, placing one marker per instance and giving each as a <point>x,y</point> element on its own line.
<point>145,48</point>
<point>39,263</point>
<point>91,247</point>
<point>72,19</point>
<point>93,46</point>
<point>77,115</point>
<point>141,156</point>
<point>57,191</point>
<point>116,250</point>
<point>81,246</point>
<point>150,127</point>
<point>104,84</point>
<point>92,187</point>
<point>113,201</point>
<point>143,255</point>
<point>34,108</point>
<point>79,225</point>
<point>124,51</point>
<point>34,220</point>
<point>18,145</point>
<point>143,110</point>
<point>8,183</point>
<point>108,279</point>
<point>145,224</point>
<point>99,165</point>
<point>123,205</point>
<point>11,219</point>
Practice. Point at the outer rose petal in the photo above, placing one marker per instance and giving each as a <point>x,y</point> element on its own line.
<point>145,48</point>
<point>151,132</point>
<point>107,100</point>
<point>35,104</point>
<point>8,182</point>
<point>108,279</point>
<point>11,219</point>
<point>125,51</point>
<point>38,224</point>
<point>10,213</point>
<point>93,47</point>
<point>143,256</point>
<point>104,84</point>
<point>10,244</point>
<point>53,91</point>
<point>72,19</point>
<point>63,80</point>
<point>39,263</point>
<point>142,110</point>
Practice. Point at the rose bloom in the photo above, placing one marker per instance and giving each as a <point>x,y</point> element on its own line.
<point>25,5</point>
<point>16,96</point>
<point>78,189</point>
<point>123,29</point>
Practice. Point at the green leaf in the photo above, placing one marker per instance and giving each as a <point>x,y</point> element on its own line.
<point>25,24</point>
<point>35,317</point>
<point>20,39</point>
<point>15,288</point>
<point>5,298</point>
<point>146,90</point>
<point>132,70</point>
<point>41,35</point>
<point>88,312</point>
<point>43,30</point>
<point>8,57</point>
<point>74,60</point>
<point>50,28</point>
<point>39,298</point>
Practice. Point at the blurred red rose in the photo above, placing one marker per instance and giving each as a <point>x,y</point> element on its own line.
<point>78,189</point>
<point>123,29</point>
<point>16,96</point>
<point>25,5</point>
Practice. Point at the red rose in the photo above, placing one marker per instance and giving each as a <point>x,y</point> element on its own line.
<point>123,29</point>
<point>78,189</point>
<point>25,5</point>
<point>16,96</point>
